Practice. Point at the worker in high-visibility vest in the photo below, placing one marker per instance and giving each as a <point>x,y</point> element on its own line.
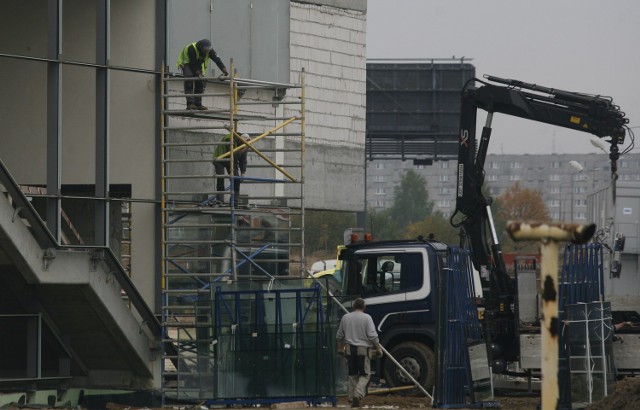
<point>193,60</point>
<point>222,164</point>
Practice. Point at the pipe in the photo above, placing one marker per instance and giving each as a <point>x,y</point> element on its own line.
<point>549,236</point>
<point>385,351</point>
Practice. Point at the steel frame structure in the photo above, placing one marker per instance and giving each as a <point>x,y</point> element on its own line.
<point>203,244</point>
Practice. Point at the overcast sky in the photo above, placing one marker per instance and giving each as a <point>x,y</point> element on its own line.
<point>591,46</point>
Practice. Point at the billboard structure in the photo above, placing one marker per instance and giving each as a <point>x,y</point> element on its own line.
<point>413,108</point>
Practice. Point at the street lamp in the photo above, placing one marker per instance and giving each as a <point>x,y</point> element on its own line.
<point>600,144</point>
<point>576,165</point>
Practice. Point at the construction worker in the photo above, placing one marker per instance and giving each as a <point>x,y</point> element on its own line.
<point>222,164</point>
<point>193,61</point>
<point>357,340</point>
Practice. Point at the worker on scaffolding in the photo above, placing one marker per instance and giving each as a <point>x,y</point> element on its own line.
<point>193,61</point>
<point>358,340</point>
<point>222,164</point>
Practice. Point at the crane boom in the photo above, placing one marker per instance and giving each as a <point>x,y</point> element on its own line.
<point>596,115</point>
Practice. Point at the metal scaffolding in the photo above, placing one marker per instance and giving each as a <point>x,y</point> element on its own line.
<point>256,234</point>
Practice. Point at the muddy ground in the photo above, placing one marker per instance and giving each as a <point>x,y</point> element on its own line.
<point>625,397</point>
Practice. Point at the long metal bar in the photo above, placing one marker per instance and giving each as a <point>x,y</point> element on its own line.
<point>237,80</point>
<point>78,63</point>
<point>101,208</point>
<point>182,95</point>
<point>185,111</point>
<point>302,155</point>
<point>385,351</point>
<point>269,103</point>
<point>194,127</point>
<point>233,110</point>
<point>163,187</point>
<point>192,144</point>
<point>54,115</point>
<point>161,42</point>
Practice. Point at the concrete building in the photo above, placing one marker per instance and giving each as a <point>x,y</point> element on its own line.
<point>563,188</point>
<point>81,125</point>
<point>622,288</point>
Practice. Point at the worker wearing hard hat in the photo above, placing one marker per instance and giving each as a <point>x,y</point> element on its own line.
<point>222,164</point>
<point>193,60</point>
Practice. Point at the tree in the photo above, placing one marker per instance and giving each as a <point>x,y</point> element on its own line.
<point>382,226</point>
<point>411,203</point>
<point>521,204</point>
<point>324,231</point>
<point>435,224</point>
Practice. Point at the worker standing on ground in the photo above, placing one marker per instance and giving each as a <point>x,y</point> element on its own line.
<point>222,164</point>
<point>357,339</point>
<point>193,61</point>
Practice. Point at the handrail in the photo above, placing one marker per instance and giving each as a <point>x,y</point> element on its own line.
<point>46,240</point>
<point>23,207</point>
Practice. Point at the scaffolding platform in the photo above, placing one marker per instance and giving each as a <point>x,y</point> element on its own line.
<point>208,244</point>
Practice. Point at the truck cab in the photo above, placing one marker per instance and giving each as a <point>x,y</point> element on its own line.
<point>397,280</point>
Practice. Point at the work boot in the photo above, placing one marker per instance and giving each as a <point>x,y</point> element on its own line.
<point>356,402</point>
<point>201,107</point>
<point>192,107</point>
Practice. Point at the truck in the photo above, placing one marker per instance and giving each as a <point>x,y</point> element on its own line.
<point>397,279</point>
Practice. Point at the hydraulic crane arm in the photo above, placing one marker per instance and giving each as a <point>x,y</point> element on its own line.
<point>581,112</point>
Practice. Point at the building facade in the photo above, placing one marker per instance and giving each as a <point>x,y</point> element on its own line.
<point>564,189</point>
<point>81,132</point>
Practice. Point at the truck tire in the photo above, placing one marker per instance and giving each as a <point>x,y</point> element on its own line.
<point>417,358</point>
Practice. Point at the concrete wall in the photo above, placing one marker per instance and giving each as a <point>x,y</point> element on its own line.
<point>23,31</point>
<point>329,43</point>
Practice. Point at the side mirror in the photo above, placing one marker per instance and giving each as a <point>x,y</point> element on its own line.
<point>345,254</point>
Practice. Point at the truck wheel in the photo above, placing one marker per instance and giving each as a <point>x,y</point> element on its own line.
<point>417,358</point>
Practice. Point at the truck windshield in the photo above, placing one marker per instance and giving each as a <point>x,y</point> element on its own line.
<point>370,275</point>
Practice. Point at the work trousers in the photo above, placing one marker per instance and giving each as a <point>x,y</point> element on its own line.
<point>192,86</point>
<point>220,167</point>
<point>359,371</point>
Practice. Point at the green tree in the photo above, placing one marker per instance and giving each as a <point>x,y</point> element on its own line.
<point>382,226</point>
<point>435,224</point>
<point>411,202</point>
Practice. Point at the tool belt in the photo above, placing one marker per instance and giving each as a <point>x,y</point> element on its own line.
<point>369,352</point>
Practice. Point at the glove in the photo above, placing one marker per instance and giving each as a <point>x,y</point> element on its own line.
<point>199,73</point>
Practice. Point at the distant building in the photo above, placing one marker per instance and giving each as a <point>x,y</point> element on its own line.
<point>563,188</point>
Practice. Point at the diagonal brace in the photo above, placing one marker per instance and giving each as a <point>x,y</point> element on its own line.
<point>249,144</point>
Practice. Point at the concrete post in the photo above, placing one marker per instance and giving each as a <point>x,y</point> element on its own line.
<point>550,235</point>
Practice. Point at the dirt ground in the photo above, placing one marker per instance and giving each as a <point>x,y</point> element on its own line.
<point>625,397</point>
<point>404,402</point>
